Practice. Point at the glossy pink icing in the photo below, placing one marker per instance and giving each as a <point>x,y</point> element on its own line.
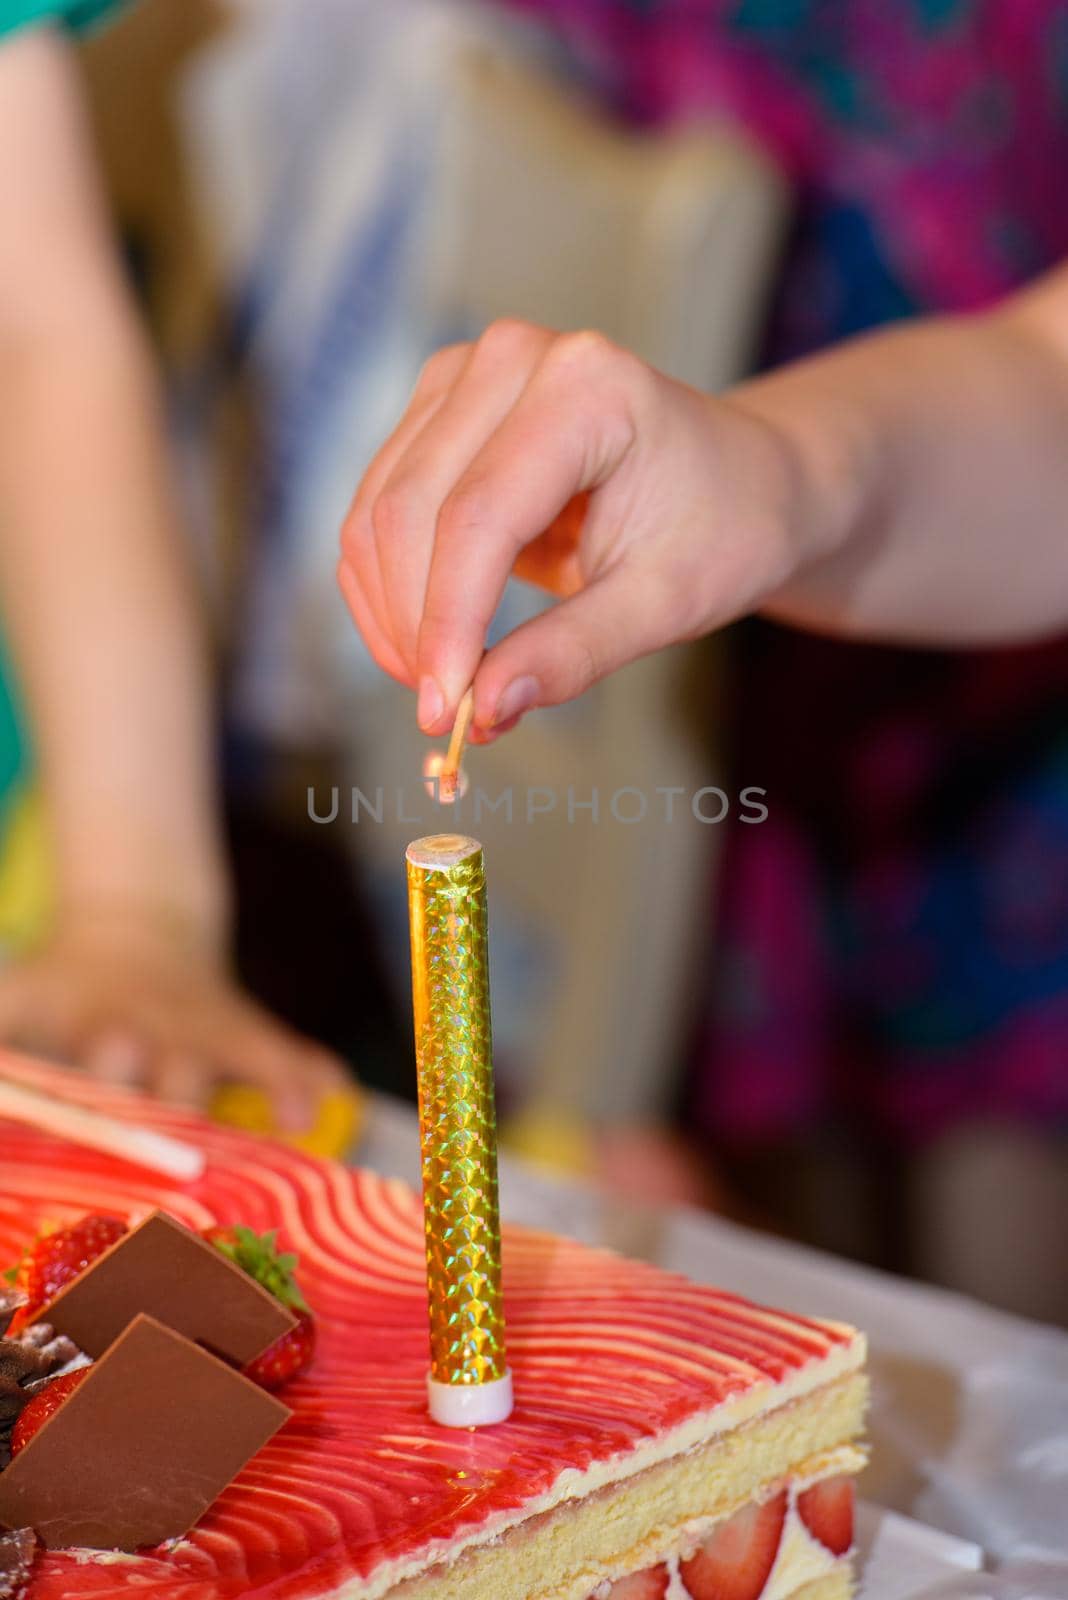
<point>606,1354</point>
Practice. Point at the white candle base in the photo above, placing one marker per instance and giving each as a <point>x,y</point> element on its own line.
<point>470,1405</point>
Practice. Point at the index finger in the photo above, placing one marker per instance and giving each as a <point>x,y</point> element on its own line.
<point>359,570</point>
<point>556,442</point>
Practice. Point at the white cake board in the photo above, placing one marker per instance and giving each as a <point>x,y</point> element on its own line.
<point>903,1560</point>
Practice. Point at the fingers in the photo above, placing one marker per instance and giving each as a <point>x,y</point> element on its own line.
<point>231,1041</point>
<point>561,653</point>
<point>253,1048</point>
<point>119,1056</point>
<point>36,1016</point>
<point>542,454</point>
<point>169,1033</point>
<point>498,440</point>
<point>183,1079</point>
<point>491,735</point>
<point>552,561</point>
<point>566,434</point>
<point>406,511</point>
<point>366,603</point>
<point>359,572</point>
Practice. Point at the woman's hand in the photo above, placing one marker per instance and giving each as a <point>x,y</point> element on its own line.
<point>902,487</point>
<point>132,998</point>
<point>653,512</point>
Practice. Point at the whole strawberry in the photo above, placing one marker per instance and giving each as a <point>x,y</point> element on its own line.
<point>44,1404</point>
<point>55,1259</point>
<point>258,1255</point>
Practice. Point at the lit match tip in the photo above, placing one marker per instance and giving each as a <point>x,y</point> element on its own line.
<point>444,774</point>
<point>441,784</point>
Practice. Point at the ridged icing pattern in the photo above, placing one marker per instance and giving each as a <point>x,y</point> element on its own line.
<point>607,1355</point>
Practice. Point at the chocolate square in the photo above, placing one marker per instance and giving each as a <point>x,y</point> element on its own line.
<point>167,1271</point>
<point>141,1449</point>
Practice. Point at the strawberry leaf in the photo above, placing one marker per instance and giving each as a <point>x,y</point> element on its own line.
<point>259,1256</point>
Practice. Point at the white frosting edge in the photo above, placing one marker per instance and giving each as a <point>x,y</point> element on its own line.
<point>575,1484</point>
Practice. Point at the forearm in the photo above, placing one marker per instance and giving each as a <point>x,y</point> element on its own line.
<point>95,597</point>
<point>932,478</point>
<point>101,614</point>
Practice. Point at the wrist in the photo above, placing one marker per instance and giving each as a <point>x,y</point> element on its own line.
<point>154,879</point>
<point>827,469</point>
<point>143,924</point>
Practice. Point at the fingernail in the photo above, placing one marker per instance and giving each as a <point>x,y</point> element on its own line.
<point>491,735</point>
<point>520,695</point>
<point>431,705</point>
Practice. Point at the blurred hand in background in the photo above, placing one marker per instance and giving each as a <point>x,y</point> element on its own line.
<point>133,998</point>
<point>101,617</point>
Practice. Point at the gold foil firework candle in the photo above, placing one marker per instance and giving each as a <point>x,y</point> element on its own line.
<point>469,1384</point>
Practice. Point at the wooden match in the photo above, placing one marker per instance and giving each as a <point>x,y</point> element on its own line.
<point>454,756</point>
<point>444,773</point>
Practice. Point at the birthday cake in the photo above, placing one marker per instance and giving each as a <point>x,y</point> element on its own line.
<point>667,1441</point>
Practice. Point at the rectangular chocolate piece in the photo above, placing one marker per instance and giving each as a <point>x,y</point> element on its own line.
<point>167,1271</point>
<point>141,1448</point>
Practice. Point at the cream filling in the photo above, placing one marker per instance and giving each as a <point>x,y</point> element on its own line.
<point>575,1485</point>
<point>801,1558</point>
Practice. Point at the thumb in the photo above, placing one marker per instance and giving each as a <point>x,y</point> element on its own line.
<point>562,652</point>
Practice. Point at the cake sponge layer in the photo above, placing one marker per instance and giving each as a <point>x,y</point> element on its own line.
<point>566,1553</point>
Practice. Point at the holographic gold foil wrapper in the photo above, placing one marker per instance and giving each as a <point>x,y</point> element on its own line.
<point>458,1127</point>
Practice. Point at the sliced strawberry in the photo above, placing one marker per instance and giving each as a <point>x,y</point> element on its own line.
<point>57,1258</point>
<point>45,1403</point>
<point>652,1584</point>
<point>735,1560</point>
<point>288,1357</point>
<point>827,1512</point>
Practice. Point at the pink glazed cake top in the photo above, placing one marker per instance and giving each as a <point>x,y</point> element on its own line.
<point>607,1356</point>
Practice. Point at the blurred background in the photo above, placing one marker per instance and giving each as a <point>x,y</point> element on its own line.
<point>847,1024</point>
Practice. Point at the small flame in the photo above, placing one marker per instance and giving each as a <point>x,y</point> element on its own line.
<point>445,787</point>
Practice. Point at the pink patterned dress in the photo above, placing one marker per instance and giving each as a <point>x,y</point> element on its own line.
<point>893,941</point>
